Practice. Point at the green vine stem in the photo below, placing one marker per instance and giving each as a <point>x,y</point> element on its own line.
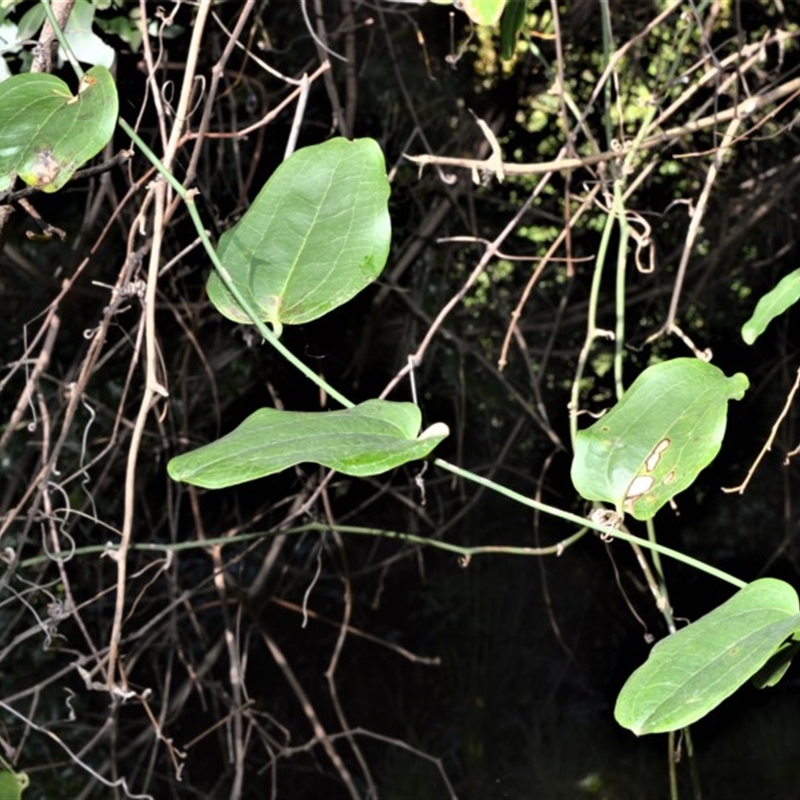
<point>187,196</point>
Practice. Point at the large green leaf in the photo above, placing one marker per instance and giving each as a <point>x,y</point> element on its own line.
<point>652,445</point>
<point>316,235</point>
<point>771,305</point>
<point>692,671</point>
<point>370,438</point>
<point>46,134</point>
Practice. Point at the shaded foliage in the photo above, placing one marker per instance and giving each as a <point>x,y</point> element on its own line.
<point>508,670</point>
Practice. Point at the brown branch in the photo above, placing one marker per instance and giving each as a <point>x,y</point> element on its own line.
<point>741,111</point>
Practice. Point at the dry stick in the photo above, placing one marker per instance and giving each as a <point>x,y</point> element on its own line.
<point>415,359</point>
<point>235,674</point>
<point>431,661</point>
<point>399,743</point>
<point>73,757</point>
<point>351,69</point>
<point>235,671</point>
<point>768,444</point>
<point>251,56</point>
<point>753,54</point>
<point>330,672</point>
<point>42,360</point>
<point>320,734</point>
<point>517,312</point>
<point>268,117</point>
<point>216,75</point>
<point>152,386</point>
<point>321,41</point>
<point>694,224</point>
<point>176,135</point>
<point>753,128</point>
<point>235,667</point>
<point>151,390</point>
<point>46,48</point>
<point>739,112</point>
<point>297,121</point>
<point>151,84</point>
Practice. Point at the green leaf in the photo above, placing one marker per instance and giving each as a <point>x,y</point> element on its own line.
<point>86,45</point>
<point>653,444</point>
<point>483,12</point>
<point>370,438</point>
<point>46,134</point>
<point>692,671</point>
<point>772,305</point>
<point>316,235</point>
<point>31,21</point>
<point>13,784</point>
<point>127,28</point>
<point>511,24</point>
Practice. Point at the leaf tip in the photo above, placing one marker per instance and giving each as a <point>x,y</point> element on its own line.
<point>174,469</point>
<point>436,431</point>
<point>741,383</point>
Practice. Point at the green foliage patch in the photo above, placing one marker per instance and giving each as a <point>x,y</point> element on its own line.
<point>46,133</point>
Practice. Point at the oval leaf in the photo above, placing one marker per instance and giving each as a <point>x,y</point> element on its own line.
<point>46,134</point>
<point>772,305</point>
<point>652,445</point>
<point>370,438</point>
<point>692,671</point>
<point>316,235</point>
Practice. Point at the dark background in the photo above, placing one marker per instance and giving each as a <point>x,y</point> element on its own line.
<point>532,651</point>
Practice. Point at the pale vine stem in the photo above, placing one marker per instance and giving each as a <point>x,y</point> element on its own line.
<point>119,783</point>
<point>696,220</point>
<point>770,439</point>
<point>741,111</point>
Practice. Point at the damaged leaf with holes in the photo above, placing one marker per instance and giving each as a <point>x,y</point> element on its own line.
<point>652,445</point>
<point>47,133</point>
